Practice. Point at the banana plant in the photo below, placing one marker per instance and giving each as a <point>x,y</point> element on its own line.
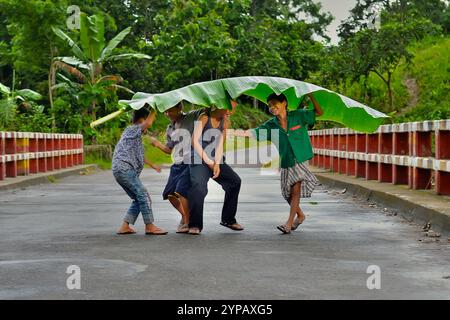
<point>11,100</point>
<point>336,107</point>
<point>85,67</point>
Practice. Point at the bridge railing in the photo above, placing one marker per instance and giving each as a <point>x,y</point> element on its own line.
<point>25,153</point>
<point>416,154</point>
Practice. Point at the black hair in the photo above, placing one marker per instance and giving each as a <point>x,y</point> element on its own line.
<point>139,114</point>
<point>278,97</point>
<point>178,105</point>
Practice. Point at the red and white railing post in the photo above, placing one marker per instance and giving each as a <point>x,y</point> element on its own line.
<point>2,153</point>
<point>442,143</point>
<point>403,154</point>
<point>25,153</point>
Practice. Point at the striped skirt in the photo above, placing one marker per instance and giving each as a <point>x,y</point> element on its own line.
<point>299,172</point>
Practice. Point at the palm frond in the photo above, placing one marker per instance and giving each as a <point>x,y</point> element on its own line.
<point>126,56</point>
<point>59,65</point>
<point>218,93</point>
<point>111,78</point>
<point>113,43</point>
<point>4,89</point>
<point>29,95</point>
<point>116,86</point>
<point>7,112</point>
<point>73,45</point>
<point>72,61</point>
<point>92,35</point>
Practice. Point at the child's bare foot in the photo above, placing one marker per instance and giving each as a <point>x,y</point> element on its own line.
<point>125,229</point>
<point>152,230</point>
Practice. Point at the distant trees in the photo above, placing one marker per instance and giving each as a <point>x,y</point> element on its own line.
<point>380,50</point>
<point>196,40</point>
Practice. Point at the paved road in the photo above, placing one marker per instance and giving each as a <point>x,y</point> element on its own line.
<point>45,229</point>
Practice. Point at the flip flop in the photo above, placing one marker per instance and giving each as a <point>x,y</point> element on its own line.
<point>183,228</point>
<point>297,224</point>
<point>157,233</point>
<point>230,226</point>
<point>194,231</point>
<point>284,230</point>
<point>126,233</point>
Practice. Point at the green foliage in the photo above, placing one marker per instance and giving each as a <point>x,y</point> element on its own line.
<point>431,68</point>
<point>247,117</point>
<point>91,89</point>
<point>199,40</point>
<point>19,107</point>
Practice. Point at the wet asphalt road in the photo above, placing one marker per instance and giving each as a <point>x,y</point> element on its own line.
<point>44,229</point>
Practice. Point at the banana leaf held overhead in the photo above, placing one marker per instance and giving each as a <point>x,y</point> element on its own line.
<point>217,93</point>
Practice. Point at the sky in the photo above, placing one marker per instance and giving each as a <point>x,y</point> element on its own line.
<point>340,9</point>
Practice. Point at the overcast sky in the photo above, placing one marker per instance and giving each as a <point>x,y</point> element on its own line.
<point>340,10</point>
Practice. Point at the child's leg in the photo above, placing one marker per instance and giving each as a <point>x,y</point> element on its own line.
<point>295,204</point>
<point>176,203</point>
<point>123,179</point>
<point>143,202</point>
<point>185,207</point>
<point>300,215</point>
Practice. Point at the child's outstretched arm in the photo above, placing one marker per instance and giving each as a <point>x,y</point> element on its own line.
<point>160,146</point>
<point>240,133</point>
<point>152,165</point>
<point>317,107</point>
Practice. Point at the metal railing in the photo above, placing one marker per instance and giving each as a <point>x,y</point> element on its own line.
<point>416,154</point>
<point>25,153</point>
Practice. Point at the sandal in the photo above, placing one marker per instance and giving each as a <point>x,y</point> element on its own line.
<point>297,224</point>
<point>233,226</point>
<point>157,232</point>
<point>194,231</point>
<point>126,233</point>
<point>284,230</point>
<point>183,228</point>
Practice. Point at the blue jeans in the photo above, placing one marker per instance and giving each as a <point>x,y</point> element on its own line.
<point>142,203</point>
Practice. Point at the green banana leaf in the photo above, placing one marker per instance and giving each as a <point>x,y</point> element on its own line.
<point>336,107</point>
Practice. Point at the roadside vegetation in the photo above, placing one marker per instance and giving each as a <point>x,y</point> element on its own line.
<point>58,79</point>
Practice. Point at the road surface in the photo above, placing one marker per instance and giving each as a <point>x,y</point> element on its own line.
<point>47,228</point>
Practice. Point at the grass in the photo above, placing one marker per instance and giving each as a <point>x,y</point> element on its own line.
<point>155,155</point>
<point>52,179</point>
<point>100,162</point>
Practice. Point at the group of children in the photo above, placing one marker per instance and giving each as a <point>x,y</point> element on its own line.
<point>196,141</point>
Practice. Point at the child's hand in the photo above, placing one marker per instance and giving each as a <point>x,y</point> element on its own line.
<point>216,171</point>
<point>157,169</point>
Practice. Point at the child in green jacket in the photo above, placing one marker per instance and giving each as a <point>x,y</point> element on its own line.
<point>288,130</point>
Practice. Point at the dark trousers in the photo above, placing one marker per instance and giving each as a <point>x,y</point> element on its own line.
<point>231,184</point>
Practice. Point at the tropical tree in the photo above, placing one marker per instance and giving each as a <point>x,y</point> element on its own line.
<point>382,51</point>
<point>86,67</point>
<point>12,99</point>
